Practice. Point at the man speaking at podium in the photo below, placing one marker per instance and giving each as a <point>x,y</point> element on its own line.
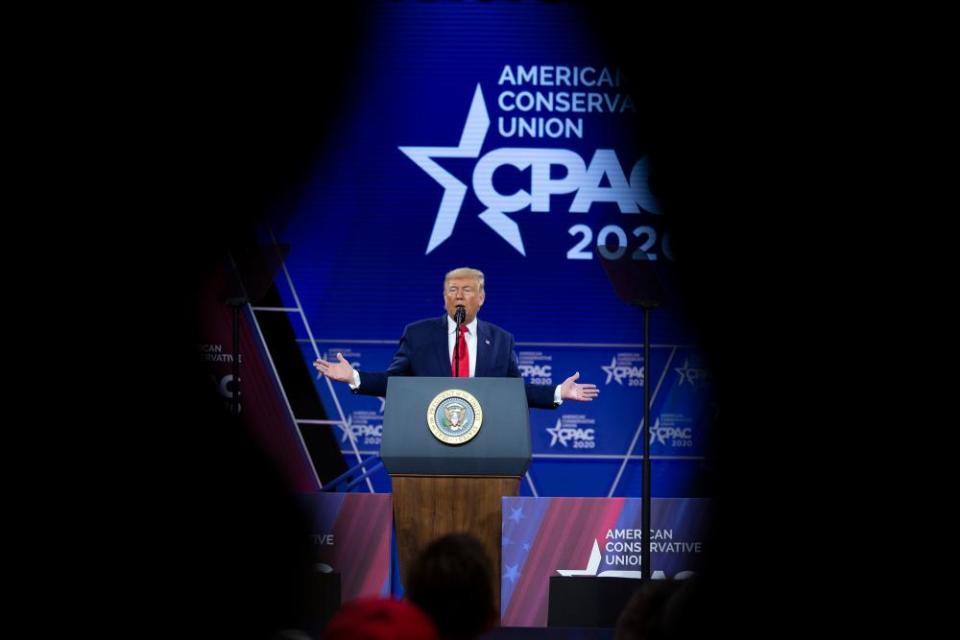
<point>458,344</point>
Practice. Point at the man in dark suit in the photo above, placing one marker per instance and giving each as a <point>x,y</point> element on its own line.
<point>432,347</point>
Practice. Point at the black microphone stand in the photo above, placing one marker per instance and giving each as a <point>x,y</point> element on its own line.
<point>236,303</point>
<point>645,488</point>
<point>638,284</point>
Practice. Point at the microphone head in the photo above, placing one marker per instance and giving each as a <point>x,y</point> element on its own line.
<point>460,314</point>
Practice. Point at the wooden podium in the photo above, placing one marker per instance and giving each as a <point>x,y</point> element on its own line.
<point>441,488</point>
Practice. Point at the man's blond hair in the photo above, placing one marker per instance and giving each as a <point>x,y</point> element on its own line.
<point>464,272</point>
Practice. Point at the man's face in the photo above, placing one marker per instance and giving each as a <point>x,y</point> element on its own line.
<point>465,291</point>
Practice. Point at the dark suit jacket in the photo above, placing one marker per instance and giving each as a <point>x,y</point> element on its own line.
<point>424,351</point>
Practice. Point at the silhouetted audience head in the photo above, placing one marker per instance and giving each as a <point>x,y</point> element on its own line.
<point>452,581</point>
<point>664,610</point>
<point>380,619</point>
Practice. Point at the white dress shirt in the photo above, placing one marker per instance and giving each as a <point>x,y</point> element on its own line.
<point>471,339</point>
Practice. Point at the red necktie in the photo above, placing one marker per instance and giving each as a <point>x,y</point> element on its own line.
<point>464,356</point>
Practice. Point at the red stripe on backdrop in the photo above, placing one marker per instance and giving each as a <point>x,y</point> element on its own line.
<point>264,411</point>
<point>362,539</point>
<point>564,541</point>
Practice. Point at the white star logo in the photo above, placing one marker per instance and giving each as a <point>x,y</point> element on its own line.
<point>347,429</point>
<point>611,371</point>
<point>690,374</point>
<point>471,140</point>
<point>656,434</point>
<point>555,434</point>
<point>593,564</point>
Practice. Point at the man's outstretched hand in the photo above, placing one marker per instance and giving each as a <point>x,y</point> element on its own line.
<point>340,370</point>
<point>570,390</point>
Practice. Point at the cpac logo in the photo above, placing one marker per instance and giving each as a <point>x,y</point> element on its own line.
<point>617,373</point>
<point>630,195</point>
<point>662,434</point>
<point>225,388</point>
<point>537,371</point>
<point>691,374</point>
<point>565,434</point>
<point>362,431</point>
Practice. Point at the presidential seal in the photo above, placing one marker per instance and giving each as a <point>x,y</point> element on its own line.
<point>454,416</point>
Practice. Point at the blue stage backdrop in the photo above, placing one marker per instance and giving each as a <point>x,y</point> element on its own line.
<point>501,136</point>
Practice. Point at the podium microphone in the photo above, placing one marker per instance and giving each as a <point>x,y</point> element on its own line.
<point>458,316</point>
